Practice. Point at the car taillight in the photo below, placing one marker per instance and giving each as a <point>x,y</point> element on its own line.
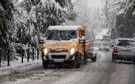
<point>101,45</point>
<point>115,49</point>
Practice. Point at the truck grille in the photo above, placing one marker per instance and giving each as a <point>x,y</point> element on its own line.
<point>58,56</point>
<point>57,51</point>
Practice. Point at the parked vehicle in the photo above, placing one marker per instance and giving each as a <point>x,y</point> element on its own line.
<point>104,46</point>
<point>97,44</point>
<point>65,44</point>
<point>124,49</point>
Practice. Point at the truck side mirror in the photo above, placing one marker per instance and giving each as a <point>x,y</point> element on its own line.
<point>82,40</point>
<point>41,41</point>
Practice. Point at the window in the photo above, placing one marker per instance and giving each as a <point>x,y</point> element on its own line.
<point>80,34</point>
<point>61,34</point>
<point>126,43</point>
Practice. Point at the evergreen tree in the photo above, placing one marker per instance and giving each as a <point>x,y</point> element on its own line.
<point>6,8</point>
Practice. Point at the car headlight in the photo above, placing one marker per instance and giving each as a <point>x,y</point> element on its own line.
<point>72,51</point>
<point>45,51</point>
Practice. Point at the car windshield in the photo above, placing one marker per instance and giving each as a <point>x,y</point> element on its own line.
<point>126,43</point>
<point>61,34</point>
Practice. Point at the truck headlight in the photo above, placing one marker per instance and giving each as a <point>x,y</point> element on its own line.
<point>45,51</point>
<point>44,45</point>
<point>72,51</point>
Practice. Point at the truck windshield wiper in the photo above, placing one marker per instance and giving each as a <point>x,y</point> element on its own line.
<point>57,36</point>
<point>70,35</point>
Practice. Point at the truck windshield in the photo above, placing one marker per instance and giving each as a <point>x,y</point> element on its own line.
<point>61,34</point>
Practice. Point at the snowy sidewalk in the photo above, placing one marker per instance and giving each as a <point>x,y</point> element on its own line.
<point>18,66</point>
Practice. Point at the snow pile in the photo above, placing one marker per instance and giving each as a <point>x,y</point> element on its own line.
<point>18,66</point>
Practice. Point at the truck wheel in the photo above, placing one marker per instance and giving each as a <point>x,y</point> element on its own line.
<point>77,60</point>
<point>94,59</point>
<point>134,61</point>
<point>85,62</point>
<point>85,59</point>
<point>113,59</point>
<point>45,64</point>
<point>77,65</point>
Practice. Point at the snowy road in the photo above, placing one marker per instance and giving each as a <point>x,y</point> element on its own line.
<point>101,72</point>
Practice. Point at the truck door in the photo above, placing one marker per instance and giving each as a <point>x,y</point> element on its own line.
<point>81,42</point>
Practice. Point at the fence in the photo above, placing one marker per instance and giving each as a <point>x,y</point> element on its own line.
<point>8,59</point>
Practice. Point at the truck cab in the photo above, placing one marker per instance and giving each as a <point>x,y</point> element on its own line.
<point>65,44</point>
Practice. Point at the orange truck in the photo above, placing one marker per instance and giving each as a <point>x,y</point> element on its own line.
<point>66,44</point>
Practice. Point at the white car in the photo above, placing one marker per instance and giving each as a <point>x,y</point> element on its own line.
<point>104,46</point>
<point>124,49</point>
<point>96,45</point>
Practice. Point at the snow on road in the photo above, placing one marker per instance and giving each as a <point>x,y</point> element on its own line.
<point>101,72</point>
<point>17,65</point>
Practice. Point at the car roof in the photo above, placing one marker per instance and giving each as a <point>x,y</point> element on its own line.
<point>117,40</point>
<point>69,27</point>
<point>124,39</point>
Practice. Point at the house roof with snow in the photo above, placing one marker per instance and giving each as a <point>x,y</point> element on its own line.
<point>70,27</point>
<point>108,34</point>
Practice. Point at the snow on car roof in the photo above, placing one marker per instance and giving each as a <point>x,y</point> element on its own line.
<point>118,39</point>
<point>125,39</point>
<point>70,27</point>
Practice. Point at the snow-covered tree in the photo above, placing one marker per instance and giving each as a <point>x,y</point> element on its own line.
<point>23,21</point>
<point>6,8</point>
<point>32,17</point>
<point>93,18</point>
<point>117,11</point>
